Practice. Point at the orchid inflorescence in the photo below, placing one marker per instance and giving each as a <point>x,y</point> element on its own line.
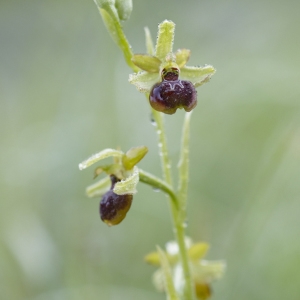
<point>162,75</point>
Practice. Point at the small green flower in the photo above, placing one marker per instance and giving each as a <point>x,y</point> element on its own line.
<point>203,272</point>
<point>120,183</point>
<point>169,69</point>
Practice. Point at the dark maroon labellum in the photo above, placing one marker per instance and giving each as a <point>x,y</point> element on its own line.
<point>113,207</point>
<point>173,93</point>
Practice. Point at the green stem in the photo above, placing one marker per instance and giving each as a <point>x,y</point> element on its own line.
<point>183,165</point>
<point>156,182</point>
<point>162,145</point>
<point>177,216</point>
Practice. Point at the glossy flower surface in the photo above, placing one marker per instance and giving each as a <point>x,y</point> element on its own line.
<point>155,68</point>
<point>113,207</point>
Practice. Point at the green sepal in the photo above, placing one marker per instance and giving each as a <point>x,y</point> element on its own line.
<point>99,188</point>
<point>198,251</point>
<point>197,75</point>
<point>124,8</point>
<point>99,156</point>
<point>127,185</point>
<point>165,37</point>
<point>153,258</point>
<point>182,57</point>
<point>146,62</point>
<point>133,156</point>
<point>208,271</point>
<point>167,276</point>
<point>144,81</point>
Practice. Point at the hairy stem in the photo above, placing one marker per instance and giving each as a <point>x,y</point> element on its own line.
<point>177,216</point>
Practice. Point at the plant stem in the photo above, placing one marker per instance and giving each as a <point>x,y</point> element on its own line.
<point>156,182</point>
<point>177,216</point>
<point>162,145</point>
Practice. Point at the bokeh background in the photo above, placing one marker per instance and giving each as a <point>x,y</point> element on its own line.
<point>64,95</point>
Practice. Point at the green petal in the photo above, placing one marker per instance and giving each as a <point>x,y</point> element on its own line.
<point>99,188</point>
<point>146,62</point>
<point>165,37</point>
<point>197,75</point>
<point>99,156</point>
<point>133,156</point>
<point>198,251</point>
<point>128,185</point>
<point>153,259</point>
<point>149,42</point>
<point>182,56</point>
<point>144,81</point>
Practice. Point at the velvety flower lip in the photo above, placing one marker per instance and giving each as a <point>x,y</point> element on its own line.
<point>153,66</point>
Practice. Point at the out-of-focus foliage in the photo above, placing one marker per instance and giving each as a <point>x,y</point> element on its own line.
<point>64,95</point>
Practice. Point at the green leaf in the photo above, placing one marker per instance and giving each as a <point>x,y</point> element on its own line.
<point>149,42</point>
<point>99,156</point>
<point>144,81</point>
<point>127,185</point>
<point>146,62</point>
<point>168,280</point>
<point>133,156</point>
<point>165,37</point>
<point>197,75</point>
<point>99,188</point>
<point>182,56</point>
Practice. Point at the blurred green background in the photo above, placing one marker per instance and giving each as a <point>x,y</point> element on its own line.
<point>65,95</point>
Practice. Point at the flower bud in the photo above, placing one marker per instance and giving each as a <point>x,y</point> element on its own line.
<point>124,8</point>
<point>172,93</point>
<point>113,207</point>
